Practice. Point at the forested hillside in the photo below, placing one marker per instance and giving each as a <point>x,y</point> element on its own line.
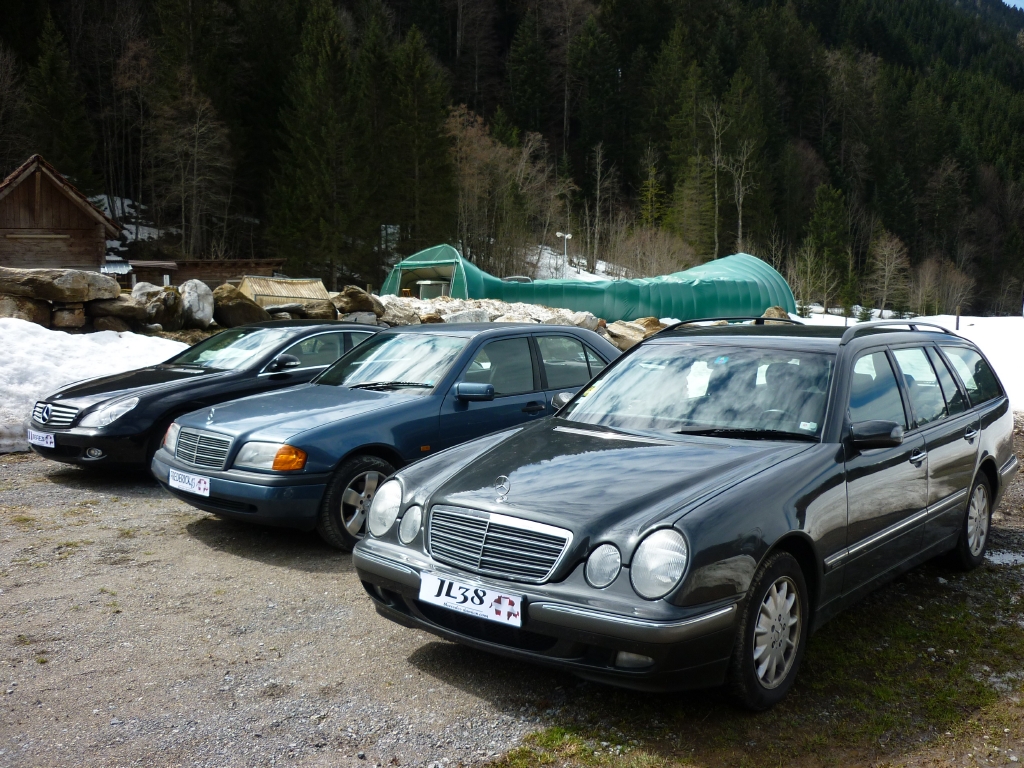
<point>871,149</point>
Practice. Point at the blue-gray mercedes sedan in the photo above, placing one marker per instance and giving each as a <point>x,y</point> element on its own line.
<point>313,456</point>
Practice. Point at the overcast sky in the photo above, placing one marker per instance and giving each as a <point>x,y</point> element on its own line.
<point>1015,3</point>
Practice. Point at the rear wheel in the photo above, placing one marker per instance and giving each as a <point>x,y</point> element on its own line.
<point>342,519</point>
<point>772,634</point>
<point>973,542</point>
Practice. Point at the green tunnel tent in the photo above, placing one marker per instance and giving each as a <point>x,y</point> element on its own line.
<point>734,286</point>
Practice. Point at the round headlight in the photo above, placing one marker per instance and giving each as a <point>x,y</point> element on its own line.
<point>659,564</point>
<point>411,521</point>
<point>385,506</point>
<point>603,566</point>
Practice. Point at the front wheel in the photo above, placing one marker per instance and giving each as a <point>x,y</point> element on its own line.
<point>772,634</point>
<point>973,542</point>
<point>342,519</point>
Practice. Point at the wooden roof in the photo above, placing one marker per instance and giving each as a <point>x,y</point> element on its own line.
<point>37,163</point>
<point>267,291</point>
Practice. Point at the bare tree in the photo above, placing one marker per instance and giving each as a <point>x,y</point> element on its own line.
<point>718,123</point>
<point>888,269</point>
<point>741,166</point>
<point>12,111</point>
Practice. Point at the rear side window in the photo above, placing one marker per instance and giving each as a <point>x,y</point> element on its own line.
<point>975,373</point>
<point>874,393</point>
<point>596,363</point>
<point>955,402</point>
<point>565,362</point>
<point>922,385</point>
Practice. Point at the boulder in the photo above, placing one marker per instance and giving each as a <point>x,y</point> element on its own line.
<point>24,308</point>
<point>110,323</point>
<point>295,310</point>
<point>651,325</point>
<point>776,313</point>
<point>66,285</point>
<point>280,316</point>
<point>196,304</point>
<point>68,315</point>
<point>515,317</point>
<point>625,335</point>
<point>399,313</point>
<point>585,320</point>
<point>467,316</point>
<point>232,308</point>
<point>354,299</point>
<point>152,328</point>
<point>431,317</point>
<point>145,291</point>
<point>366,318</point>
<point>166,309</point>
<point>123,308</point>
<point>320,309</point>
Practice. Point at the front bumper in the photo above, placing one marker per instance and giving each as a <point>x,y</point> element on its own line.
<point>279,500</point>
<point>71,446</point>
<point>689,647</point>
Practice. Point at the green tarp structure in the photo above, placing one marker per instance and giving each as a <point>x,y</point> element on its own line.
<point>734,286</point>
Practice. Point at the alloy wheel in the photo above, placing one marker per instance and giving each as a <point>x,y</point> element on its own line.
<point>777,633</point>
<point>356,500</point>
<point>977,520</point>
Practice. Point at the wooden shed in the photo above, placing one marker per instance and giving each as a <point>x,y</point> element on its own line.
<point>46,222</point>
<point>273,291</point>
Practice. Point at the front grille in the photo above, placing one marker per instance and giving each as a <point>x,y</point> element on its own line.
<point>202,449</point>
<point>60,415</point>
<point>495,545</point>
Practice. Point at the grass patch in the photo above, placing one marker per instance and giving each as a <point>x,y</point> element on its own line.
<point>914,661</point>
<point>23,519</point>
<point>105,591</point>
<point>126,533</point>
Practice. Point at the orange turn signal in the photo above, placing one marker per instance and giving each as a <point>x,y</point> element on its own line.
<point>288,457</point>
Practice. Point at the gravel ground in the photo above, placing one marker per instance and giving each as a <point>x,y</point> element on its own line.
<point>136,629</point>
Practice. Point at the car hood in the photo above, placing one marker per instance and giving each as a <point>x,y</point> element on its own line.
<point>156,379</point>
<point>280,415</point>
<point>604,484</point>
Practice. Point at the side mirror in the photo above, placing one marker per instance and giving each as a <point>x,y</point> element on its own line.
<point>876,434</point>
<point>281,362</point>
<point>469,391</point>
<point>561,399</point>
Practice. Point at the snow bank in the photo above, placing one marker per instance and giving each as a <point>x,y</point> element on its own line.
<point>553,265</point>
<point>38,361</point>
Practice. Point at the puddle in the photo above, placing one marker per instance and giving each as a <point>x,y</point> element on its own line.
<point>1002,557</point>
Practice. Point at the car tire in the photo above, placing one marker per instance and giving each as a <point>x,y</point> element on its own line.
<point>346,503</point>
<point>970,548</point>
<point>772,632</point>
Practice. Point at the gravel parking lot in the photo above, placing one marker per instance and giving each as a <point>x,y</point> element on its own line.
<point>134,629</point>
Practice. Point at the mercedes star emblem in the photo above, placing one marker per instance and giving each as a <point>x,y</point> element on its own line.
<point>502,485</point>
<point>44,417</point>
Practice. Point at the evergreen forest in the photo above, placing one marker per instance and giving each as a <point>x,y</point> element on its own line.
<point>871,150</point>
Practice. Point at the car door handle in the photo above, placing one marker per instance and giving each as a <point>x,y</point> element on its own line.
<point>918,456</point>
<point>970,434</point>
<point>534,407</point>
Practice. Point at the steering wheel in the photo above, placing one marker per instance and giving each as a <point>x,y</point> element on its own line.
<point>774,415</point>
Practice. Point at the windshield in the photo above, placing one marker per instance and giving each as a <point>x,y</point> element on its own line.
<point>413,360</point>
<point>715,390</point>
<point>233,349</point>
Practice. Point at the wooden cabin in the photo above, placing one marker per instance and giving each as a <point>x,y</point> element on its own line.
<point>46,222</point>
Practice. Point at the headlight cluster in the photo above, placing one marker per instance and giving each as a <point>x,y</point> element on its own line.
<point>385,507</point>
<point>279,457</point>
<point>171,437</point>
<point>109,413</point>
<point>657,568</point>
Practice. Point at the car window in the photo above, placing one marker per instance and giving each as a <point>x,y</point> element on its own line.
<point>595,362</point>
<point>716,390</point>
<point>564,360</point>
<point>413,360</point>
<point>974,372</point>
<point>950,391</point>
<point>232,349</point>
<point>317,351</point>
<point>356,338</point>
<point>506,364</point>
<point>874,393</point>
<point>922,385</point>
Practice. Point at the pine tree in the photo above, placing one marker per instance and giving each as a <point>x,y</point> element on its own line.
<point>312,203</point>
<point>529,75</point>
<point>58,125</point>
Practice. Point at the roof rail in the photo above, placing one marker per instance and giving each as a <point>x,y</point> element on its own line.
<point>757,321</point>
<point>853,330</point>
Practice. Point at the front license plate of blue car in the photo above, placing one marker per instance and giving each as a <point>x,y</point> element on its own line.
<point>183,481</point>
<point>471,599</point>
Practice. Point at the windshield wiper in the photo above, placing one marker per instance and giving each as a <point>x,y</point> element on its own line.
<point>747,433</point>
<point>390,385</point>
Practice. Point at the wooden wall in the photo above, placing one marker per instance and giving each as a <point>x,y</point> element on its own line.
<point>83,241</point>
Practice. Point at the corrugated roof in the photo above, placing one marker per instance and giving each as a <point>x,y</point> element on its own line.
<point>269,291</point>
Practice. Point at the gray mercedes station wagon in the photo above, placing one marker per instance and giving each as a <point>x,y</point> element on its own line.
<point>704,504</point>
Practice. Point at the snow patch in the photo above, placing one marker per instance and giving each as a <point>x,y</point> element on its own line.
<point>38,361</point>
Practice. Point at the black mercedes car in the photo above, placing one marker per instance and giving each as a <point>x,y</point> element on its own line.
<point>121,419</point>
<point>711,498</point>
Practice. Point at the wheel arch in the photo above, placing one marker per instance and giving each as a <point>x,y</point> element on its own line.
<point>799,545</point>
<point>988,470</point>
<point>380,450</point>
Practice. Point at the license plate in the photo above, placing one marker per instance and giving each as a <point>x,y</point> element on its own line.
<point>45,439</point>
<point>183,481</point>
<point>472,599</point>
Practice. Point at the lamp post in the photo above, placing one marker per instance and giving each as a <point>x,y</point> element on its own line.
<point>566,237</point>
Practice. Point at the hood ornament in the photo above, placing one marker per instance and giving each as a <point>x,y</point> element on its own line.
<point>209,416</point>
<point>502,485</point>
<point>44,417</point>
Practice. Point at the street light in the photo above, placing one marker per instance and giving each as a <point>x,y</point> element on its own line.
<point>566,237</point>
